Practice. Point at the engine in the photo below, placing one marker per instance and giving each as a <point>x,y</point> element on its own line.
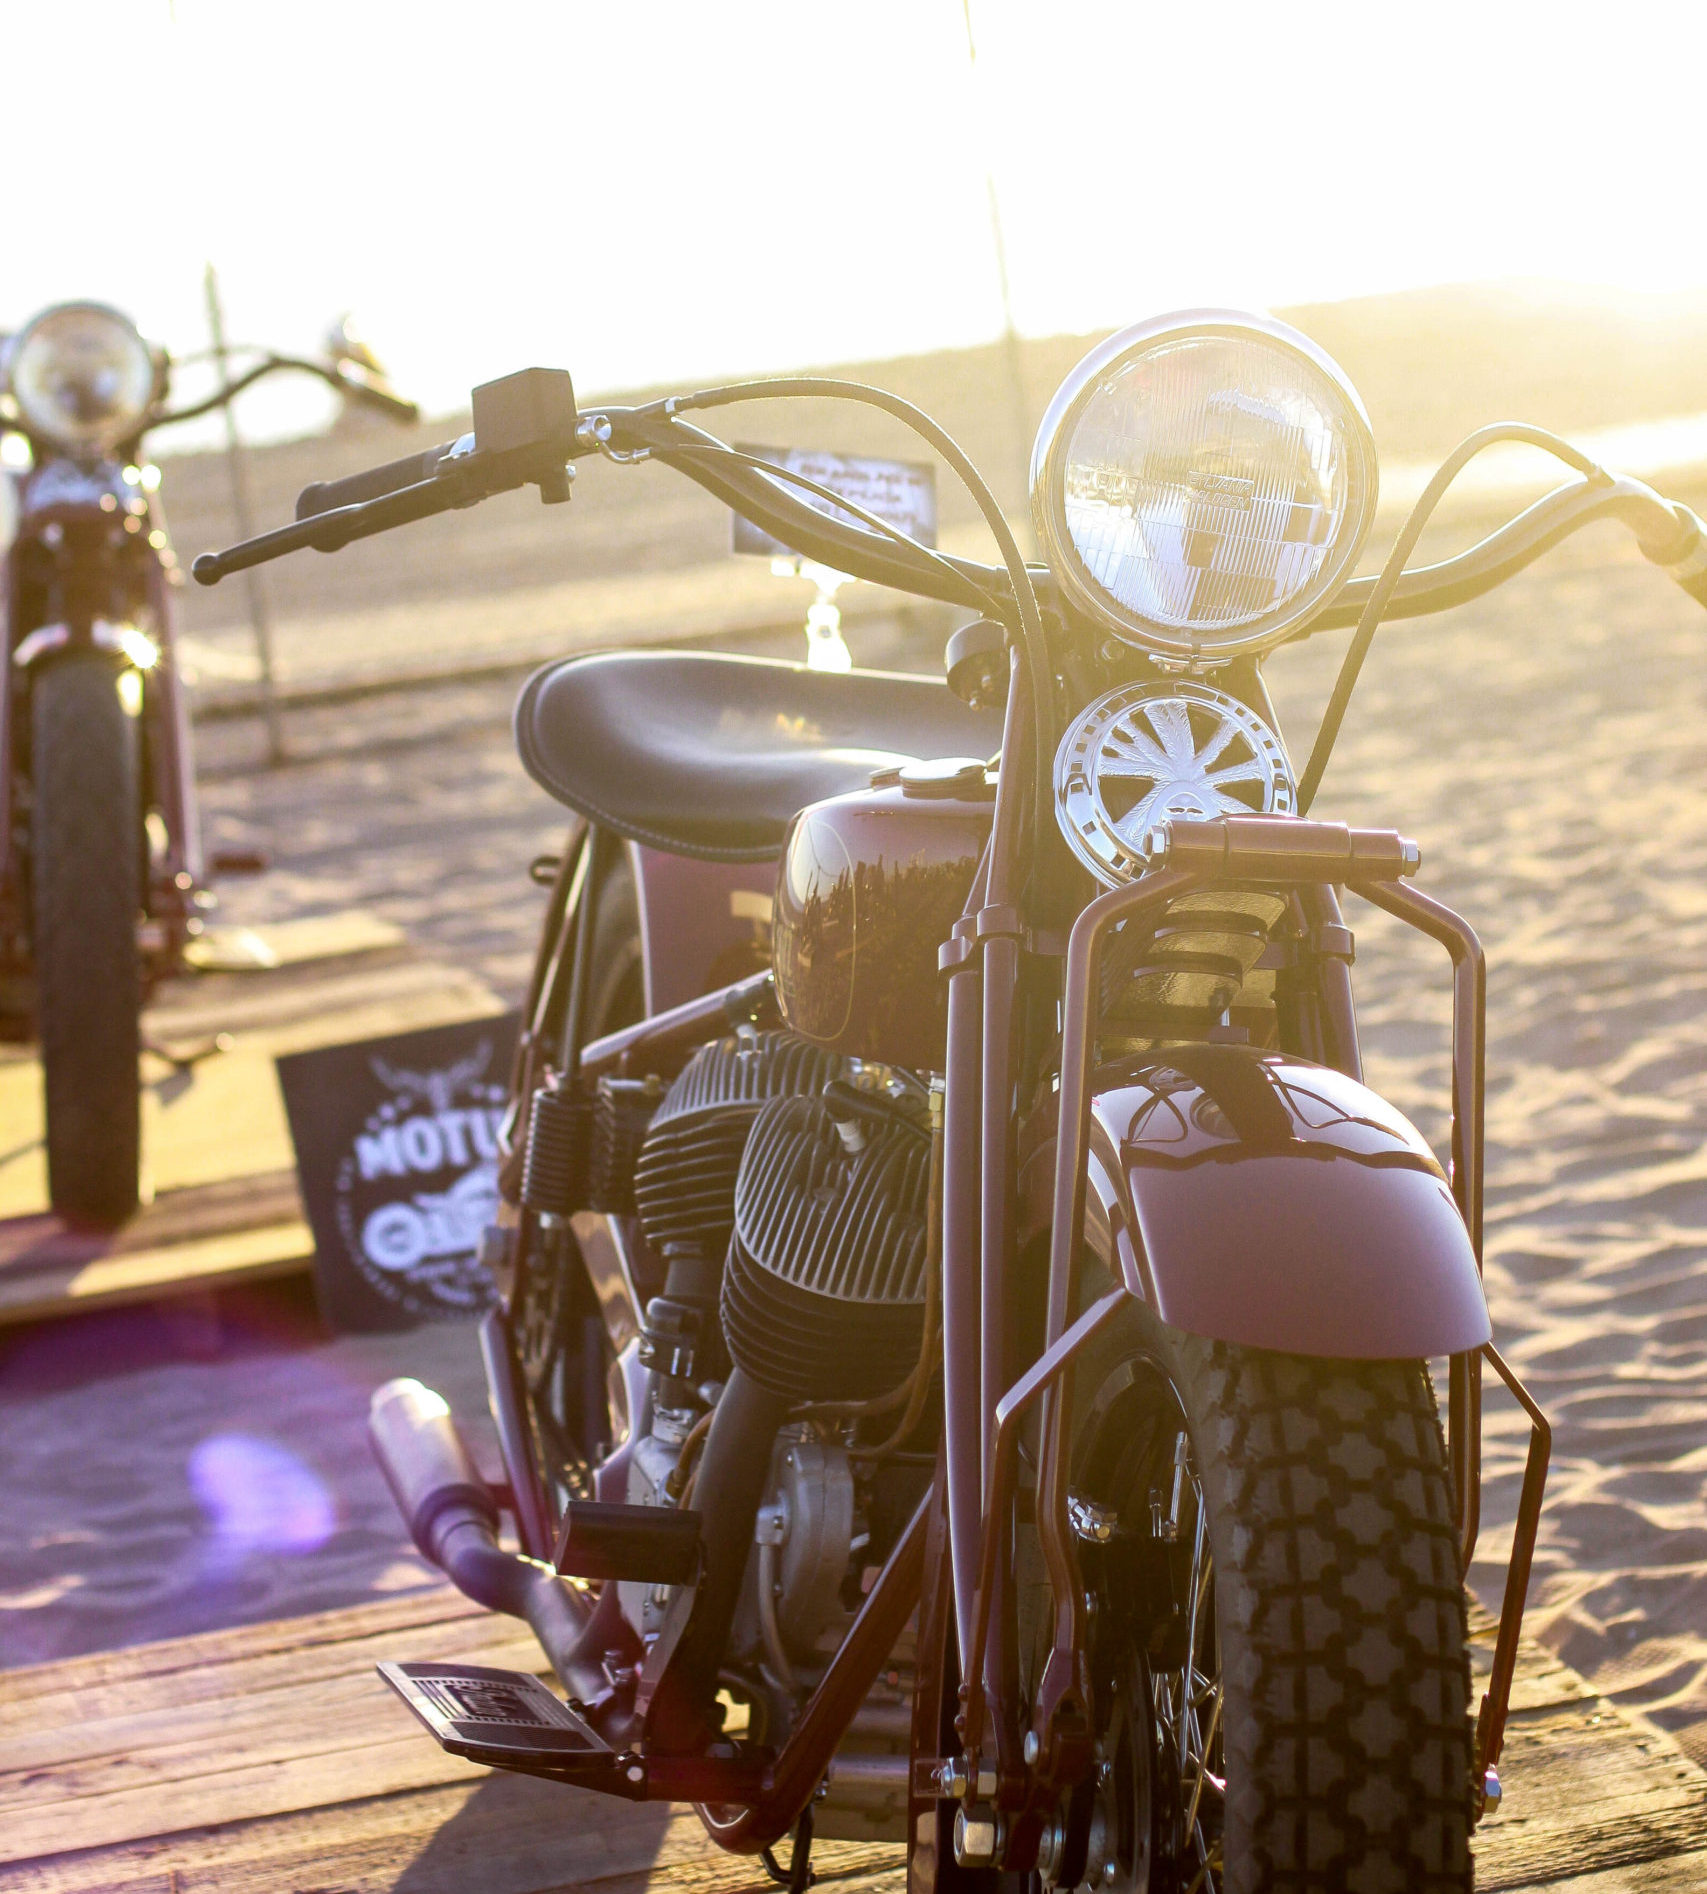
<point>684,1178</point>
<point>785,1190</point>
<point>824,1290</point>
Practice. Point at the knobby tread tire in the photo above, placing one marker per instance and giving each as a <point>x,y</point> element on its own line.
<point>1341,1616</point>
<point>85,875</point>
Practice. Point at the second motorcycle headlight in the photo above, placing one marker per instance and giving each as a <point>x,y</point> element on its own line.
<point>1203,482</point>
<point>82,377</point>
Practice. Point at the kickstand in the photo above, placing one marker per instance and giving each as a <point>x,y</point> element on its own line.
<point>182,1061</point>
<point>799,1876</point>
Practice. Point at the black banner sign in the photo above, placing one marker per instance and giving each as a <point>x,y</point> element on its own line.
<point>397,1157</point>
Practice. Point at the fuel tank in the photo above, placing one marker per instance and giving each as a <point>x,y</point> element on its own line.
<point>869,885</point>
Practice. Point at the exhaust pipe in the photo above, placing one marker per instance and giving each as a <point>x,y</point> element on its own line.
<point>452,1516</point>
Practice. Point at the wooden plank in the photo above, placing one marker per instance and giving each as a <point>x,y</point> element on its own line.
<point>292,943</point>
<point>106,1752</point>
<point>113,1753</point>
<point>212,1209</point>
<point>1588,1790</point>
<point>296,1008</point>
<point>270,1758</point>
<point>232,1654</point>
<point>271,1720</point>
<point>506,1835</point>
<point>1677,1874</point>
<point>203,1263</point>
<point>1588,1787</point>
<point>216,1139</point>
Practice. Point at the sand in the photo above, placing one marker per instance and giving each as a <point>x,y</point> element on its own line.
<point>1546,747</point>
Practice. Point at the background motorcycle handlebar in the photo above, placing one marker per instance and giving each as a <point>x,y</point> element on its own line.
<point>370,394</point>
<point>373,395</point>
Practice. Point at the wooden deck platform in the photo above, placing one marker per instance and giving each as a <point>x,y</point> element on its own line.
<point>271,1759</point>
<point>216,1145</point>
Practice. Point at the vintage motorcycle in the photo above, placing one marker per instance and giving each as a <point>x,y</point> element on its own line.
<point>101,870</point>
<point>965,1379</point>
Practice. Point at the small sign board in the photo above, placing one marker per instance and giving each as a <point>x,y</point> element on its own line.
<point>397,1158</point>
<point>901,493</point>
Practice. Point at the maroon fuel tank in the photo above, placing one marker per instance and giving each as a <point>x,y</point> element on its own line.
<point>869,885</point>
<point>1254,1198</point>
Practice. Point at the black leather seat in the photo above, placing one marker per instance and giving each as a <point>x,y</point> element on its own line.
<point>710,756</point>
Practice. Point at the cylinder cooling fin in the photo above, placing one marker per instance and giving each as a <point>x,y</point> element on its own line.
<point>824,1292</point>
<point>684,1180</point>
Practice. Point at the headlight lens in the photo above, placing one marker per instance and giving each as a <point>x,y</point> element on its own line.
<point>1203,482</point>
<point>82,377</point>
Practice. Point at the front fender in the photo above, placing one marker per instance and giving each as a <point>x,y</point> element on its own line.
<point>1255,1198</point>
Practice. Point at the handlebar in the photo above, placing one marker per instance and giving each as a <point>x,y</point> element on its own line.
<point>331,531</point>
<point>370,393</point>
<point>1689,569</point>
<point>527,430</point>
<point>1668,532</point>
<point>328,496</point>
<point>375,395</point>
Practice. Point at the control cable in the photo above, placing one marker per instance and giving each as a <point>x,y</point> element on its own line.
<point>1393,571</point>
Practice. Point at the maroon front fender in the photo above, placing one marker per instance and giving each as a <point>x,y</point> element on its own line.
<point>1255,1198</point>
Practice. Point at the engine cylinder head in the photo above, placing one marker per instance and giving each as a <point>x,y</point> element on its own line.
<point>622,1110</point>
<point>684,1182</point>
<point>824,1292</point>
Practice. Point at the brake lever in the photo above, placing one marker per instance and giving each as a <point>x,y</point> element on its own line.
<point>526,431</point>
<point>329,532</point>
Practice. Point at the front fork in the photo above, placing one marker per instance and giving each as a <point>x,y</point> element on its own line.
<point>1004,1798</point>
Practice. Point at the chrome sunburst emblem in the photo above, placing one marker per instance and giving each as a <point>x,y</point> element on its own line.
<point>1149,751</point>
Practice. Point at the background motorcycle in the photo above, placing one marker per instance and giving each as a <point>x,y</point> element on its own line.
<point>999,1418</point>
<point>100,861</point>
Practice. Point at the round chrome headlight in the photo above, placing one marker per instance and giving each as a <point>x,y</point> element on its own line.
<point>82,377</point>
<point>1202,483</point>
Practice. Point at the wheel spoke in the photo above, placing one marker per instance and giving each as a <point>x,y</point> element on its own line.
<point>1171,721</point>
<point>1216,744</point>
<point>1202,1760</point>
<point>1187,1710</point>
<point>1131,769</point>
<point>1131,743</point>
<point>1249,771</point>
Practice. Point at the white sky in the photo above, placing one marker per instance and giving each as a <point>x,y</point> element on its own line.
<point>642,192</point>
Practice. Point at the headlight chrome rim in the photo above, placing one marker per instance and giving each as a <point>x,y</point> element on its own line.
<point>1048,487</point>
<point>106,431</point>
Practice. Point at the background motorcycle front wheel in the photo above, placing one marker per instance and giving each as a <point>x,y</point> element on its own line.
<point>85,851</point>
<point>1308,1705</point>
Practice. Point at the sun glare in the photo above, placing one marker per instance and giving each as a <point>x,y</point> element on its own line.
<point>657,192</point>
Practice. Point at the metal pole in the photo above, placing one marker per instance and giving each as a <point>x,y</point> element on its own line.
<point>260,615</point>
<point>1019,405</point>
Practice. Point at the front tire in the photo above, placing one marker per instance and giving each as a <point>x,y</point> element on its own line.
<point>86,869</point>
<point>1328,1689</point>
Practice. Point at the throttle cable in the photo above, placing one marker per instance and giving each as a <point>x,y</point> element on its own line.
<point>1393,571</point>
<point>1033,641</point>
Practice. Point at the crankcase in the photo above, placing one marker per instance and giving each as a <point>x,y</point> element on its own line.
<point>1256,1198</point>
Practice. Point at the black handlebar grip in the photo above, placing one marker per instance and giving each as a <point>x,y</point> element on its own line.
<point>322,496</point>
